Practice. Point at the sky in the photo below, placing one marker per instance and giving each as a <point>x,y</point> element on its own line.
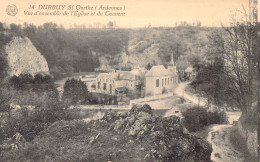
<point>138,13</point>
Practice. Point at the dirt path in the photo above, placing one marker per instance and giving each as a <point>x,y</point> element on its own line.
<point>218,136</point>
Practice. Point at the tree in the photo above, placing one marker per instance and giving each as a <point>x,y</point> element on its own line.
<point>16,29</point>
<point>3,67</point>
<point>2,27</point>
<point>110,24</point>
<point>75,91</point>
<point>236,48</point>
<point>198,23</point>
<point>149,66</point>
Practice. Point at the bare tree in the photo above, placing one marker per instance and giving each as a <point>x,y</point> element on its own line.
<point>238,50</point>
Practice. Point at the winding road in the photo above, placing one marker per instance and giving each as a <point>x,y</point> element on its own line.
<point>218,135</point>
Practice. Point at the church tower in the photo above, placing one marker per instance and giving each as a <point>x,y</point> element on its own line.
<point>171,65</point>
<point>171,62</point>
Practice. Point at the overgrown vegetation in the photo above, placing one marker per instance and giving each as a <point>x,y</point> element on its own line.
<point>240,144</point>
<point>197,118</point>
<point>28,105</point>
<point>130,136</point>
<point>75,91</point>
<point>229,78</point>
<point>38,83</point>
<point>70,50</point>
<point>79,49</point>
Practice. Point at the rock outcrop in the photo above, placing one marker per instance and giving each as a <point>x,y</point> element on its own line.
<point>23,58</point>
<point>137,135</point>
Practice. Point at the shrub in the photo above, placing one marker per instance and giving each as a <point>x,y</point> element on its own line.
<point>141,108</point>
<point>75,91</point>
<point>38,110</point>
<point>197,117</point>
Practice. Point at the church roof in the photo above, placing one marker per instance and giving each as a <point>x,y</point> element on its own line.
<point>157,71</point>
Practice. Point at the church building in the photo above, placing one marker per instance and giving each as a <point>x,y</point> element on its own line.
<point>159,80</point>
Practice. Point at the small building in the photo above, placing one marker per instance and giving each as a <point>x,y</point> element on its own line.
<point>190,73</point>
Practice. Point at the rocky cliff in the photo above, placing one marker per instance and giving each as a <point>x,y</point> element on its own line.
<point>23,57</point>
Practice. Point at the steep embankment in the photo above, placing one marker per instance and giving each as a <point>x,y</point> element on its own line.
<point>23,58</point>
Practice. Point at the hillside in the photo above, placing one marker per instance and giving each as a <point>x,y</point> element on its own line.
<point>84,49</point>
<point>151,45</point>
<point>137,135</point>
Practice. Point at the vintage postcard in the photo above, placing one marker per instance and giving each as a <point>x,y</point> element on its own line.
<point>129,80</point>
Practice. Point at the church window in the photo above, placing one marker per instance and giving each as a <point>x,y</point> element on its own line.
<point>157,82</point>
<point>162,82</point>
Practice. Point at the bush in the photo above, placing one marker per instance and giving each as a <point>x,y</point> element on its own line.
<point>141,108</point>
<point>197,118</point>
<point>37,111</point>
<point>75,91</point>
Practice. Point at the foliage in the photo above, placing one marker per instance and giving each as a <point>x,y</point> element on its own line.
<point>197,118</point>
<point>213,83</point>
<point>38,83</point>
<point>36,112</point>
<point>29,104</point>
<point>149,66</point>
<point>126,68</point>
<point>141,108</point>
<point>70,50</point>
<point>171,44</point>
<point>235,46</point>
<point>75,91</point>
<point>4,39</point>
<point>240,144</point>
<point>136,137</point>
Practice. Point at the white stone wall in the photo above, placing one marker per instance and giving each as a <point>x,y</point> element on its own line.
<point>152,89</point>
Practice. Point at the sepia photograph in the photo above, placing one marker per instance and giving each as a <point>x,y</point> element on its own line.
<point>129,81</point>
